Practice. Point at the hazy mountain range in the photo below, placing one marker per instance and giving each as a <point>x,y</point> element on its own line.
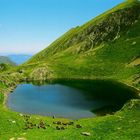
<point>19,58</point>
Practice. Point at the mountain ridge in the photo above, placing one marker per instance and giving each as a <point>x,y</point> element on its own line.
<point>6,60</point>
<point>105,47</point>
<point>95,21</point>
<point>19,58</point>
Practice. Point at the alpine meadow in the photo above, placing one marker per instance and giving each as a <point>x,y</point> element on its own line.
<point>93,68</point>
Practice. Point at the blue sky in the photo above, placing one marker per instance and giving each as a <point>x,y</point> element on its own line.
<point>28,26</point>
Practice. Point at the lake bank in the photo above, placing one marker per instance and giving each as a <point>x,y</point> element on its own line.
<point>70,98</point>
<point>97,127</point>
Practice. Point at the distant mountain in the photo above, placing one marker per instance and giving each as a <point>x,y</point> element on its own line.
<point>19,58</point>
<point>6,60</point>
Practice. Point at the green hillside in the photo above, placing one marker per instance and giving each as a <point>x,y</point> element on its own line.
<point>105,47</point>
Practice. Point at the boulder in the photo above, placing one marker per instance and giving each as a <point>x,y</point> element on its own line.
<point>85,133</point>
<point>78,126</point>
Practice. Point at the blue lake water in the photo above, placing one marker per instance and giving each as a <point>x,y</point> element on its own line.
<point>72,100</point>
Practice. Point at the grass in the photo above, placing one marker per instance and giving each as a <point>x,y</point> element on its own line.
<point>79,34</point>
<point>124,125</point>
<point>77,54</point>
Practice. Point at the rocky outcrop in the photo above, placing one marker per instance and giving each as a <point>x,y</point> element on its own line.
<point>109,29</point>
<point>41,73</point>
<point>103,29</point>
<point>132,104</point>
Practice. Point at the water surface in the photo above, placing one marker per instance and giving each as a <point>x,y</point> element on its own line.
<point>70,99</point>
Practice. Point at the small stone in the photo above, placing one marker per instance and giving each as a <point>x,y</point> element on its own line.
<point>119,128</point>
<point>59,123</point>
<point>132,121</point>
<point>42,125</point>
<point>13,121</point>
<point>62,128</point>
<point>54,122</point>
<point>21,71</point>
<point>21,139</point>
<point>21,115</point>
<point>58,127</point>
<point>37,118</point>
<point>12,138</point>
<point>86,133</point>
<point>78,126</point>
<point>134,43</point>
<point>65,123</point>
<point>27,116</point>
<point>70,123</point>
<point>49,125</point>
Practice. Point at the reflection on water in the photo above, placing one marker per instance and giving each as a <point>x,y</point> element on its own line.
<point>69,98</point>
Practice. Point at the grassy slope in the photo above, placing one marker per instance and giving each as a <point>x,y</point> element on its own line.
<point>59,44</point>
<point>117,59</point>
<point>74,56</point>
<point>124,125</point>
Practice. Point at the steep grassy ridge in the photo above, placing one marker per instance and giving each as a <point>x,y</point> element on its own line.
<point>101,29</point>
<point>105,47</point>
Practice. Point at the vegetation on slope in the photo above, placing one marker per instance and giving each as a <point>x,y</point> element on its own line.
<point>105,47</point>
<point>101,29</point>
<point>90,51</point>
<point>124,125</point>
